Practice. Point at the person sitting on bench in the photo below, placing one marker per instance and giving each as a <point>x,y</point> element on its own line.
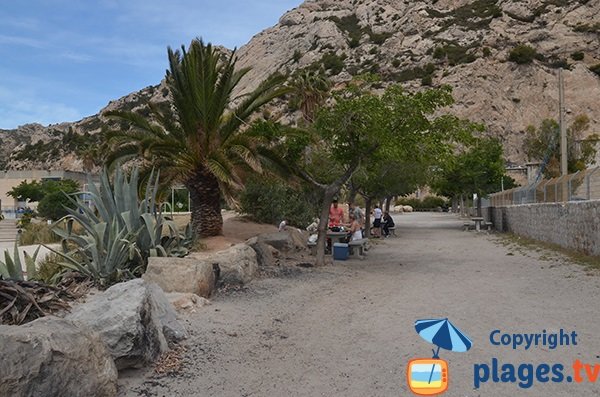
<point>387,223</point>
<point>354,232</point>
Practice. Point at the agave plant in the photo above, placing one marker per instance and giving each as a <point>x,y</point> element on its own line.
<point>105,252</point>
<point>120,231</point>
<point>12,267</point>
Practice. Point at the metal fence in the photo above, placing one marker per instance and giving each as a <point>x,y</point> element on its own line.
<point>582,185</point>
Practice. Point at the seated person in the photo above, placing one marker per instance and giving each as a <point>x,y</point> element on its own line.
<point>354,232</point>
<point>386,223</point>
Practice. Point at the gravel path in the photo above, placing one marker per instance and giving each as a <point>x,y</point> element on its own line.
<point>347,329</point>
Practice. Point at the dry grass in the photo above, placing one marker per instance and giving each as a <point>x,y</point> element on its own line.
<point>38,233</point>
<point>170,362</point>
<point>589,261</point>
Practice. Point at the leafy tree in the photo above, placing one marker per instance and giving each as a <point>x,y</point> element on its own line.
<point>362,131</point>
<point>270,200</point>
<point>55,203</point>
<point>27,191</point>
<point>543,144</point>
<point>479,169</point>
<point>202,144</point>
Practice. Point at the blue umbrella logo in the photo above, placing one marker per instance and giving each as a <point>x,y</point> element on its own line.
<point>443,334</point>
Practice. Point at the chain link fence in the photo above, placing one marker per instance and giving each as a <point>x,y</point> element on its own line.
<point>582,185</point>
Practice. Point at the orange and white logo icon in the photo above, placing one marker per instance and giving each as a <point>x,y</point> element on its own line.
<point>427,376</point>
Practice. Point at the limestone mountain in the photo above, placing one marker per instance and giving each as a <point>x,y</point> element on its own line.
<point>466,44</point>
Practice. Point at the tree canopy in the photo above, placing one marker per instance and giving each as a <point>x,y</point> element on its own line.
<point>543,144</point>
<point>386,143</point>
<point>201,140</point>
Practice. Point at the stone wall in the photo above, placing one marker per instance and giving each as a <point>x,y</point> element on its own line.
<point>574,225</point>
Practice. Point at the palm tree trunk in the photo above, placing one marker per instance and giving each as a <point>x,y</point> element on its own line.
<point>205,197</point>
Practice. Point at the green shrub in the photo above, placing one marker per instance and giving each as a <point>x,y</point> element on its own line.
<point>333,63</point>
<point>523,54</point>
<point>271,201</point>
<point>434,202</point>
<point>559,63</point>
<point>396,63</point>
<point>349,24</point>
<point>427,80</point>
<point>379,38</point>
<point>52,206</point>
<point>587,28</point>
<point>474,15</point>
<point>595,69</point>
<point>297,55</point>
<point>455,54</point>
<point>415,73</point>
<point>486,52</point>
<point>577,56</point>
<point>429,202</point>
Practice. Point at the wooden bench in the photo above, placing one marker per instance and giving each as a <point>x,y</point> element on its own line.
<point>466,226</point>
<point>360,245</point>
<point>489,226</point>
<point>392,230</point>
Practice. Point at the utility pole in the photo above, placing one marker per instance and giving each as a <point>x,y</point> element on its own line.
<point>563,135</point>
<point>563,127</point>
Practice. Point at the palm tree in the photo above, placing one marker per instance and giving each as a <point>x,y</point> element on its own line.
<point>200,141</point>
<point>310,89</point>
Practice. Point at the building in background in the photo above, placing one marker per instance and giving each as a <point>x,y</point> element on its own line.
<point>10,179</point>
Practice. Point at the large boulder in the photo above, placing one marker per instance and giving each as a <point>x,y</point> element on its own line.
<point>299,238</point>
<point>266,255</point>
<point>281,241</point>
<point>290,240</point>
<point>54,357</point>
<point>182,275</point>
<point>135,321</point>
<point>237,264</point>
<point>398,208</point>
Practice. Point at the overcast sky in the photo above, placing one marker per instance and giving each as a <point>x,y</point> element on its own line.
<point>62,60</point>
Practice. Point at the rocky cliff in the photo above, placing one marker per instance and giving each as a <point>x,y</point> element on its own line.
<point>416,43</point>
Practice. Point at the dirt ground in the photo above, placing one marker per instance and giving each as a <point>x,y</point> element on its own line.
<point>348,329</point>
<point>236,229</point>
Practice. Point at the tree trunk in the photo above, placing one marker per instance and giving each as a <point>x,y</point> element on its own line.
<point>462,205</point>
<point>329,191</point>
<point>454,205</point>
<point>352,194</point>
<point>368,217</point>
<point>205,196</point>
<point>388,201</point>
<point>479,205</point>
<point>328,195</point>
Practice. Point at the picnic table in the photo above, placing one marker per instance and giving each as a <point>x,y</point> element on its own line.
<point>478,221</point>
<point>339,237</point>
